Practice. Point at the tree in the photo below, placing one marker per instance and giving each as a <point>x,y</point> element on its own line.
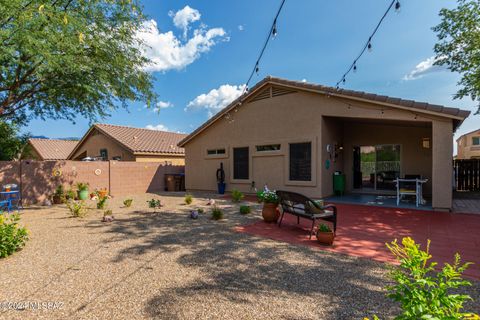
<point>458,46</point>
<point>12,145</point>
<point>64,58</point>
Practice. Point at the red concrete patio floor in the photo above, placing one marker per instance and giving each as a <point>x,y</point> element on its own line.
<point>362,231</point>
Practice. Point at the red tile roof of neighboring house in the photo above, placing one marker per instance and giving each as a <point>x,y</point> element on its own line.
<point>456,114</point>
<point>138,140</point>
<point>52,149</point>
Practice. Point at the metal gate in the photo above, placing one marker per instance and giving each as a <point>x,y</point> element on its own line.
<point>467,174</point>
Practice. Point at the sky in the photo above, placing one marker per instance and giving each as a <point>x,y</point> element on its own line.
<point>204,51</point>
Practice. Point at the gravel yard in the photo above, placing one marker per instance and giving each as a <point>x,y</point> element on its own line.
<point>166,266</point>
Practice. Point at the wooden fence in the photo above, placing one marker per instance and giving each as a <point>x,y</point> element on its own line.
<point>467,174</point>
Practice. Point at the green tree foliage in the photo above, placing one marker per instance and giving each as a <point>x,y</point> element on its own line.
<point>64,58</point>
<point>12,145</point>
<point>458,46</point>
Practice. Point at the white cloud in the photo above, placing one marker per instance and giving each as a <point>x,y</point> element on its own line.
<point>423,68</point>
<point>159,127</point>
<point>182,18</point>
<point>167,52</point>
<point>216,99</point>
<point>162,105</point>
<point>241,27</point>
<point>304,80</point>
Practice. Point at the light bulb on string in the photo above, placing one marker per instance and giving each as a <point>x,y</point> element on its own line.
<point>355,66</point>
<point>257,69</point>
<point>274,29</point>
<point>344,80</point>
<point>397,6</point>
<point>369,46</point>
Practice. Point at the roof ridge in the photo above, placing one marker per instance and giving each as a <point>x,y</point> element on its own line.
<point>53,139</point>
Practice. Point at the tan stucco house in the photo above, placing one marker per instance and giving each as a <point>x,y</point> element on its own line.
<point>112,142</point>
<point>50,149</point>
<point>468,145</point>
<point>294,136</point>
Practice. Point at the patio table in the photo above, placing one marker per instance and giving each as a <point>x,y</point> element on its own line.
<point>11,199</point>
<point>417,192</point>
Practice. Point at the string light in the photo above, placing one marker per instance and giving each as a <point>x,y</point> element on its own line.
<point>368,45</point>
<point>272,33</point>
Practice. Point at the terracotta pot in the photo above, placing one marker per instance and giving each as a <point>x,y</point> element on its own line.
<point>325,237</point>
<point>270,212</point>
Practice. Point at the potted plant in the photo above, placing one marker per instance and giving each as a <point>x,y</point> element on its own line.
<point>82,189</point>
<point>103,193</point>
<point>59,195</point>
<point>221,179</point>
<point>270,202</point>
<point>325,235</point>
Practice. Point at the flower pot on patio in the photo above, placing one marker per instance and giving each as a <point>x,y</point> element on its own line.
<point>82,194</point>
<point>270,212</point>
<point>325,235</point>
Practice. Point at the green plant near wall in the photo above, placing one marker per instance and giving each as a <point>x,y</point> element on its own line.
<point>127,203</point>
<point>12,236</point>
<point>422,291</point>
<point>82,186</point>
<point>237,196</point>
<point>70,194</point>
<point>102,202</point>
<point>77,208</point>
<point>188,198</point>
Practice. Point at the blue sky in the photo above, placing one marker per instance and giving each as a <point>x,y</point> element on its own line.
<point>200,46</point>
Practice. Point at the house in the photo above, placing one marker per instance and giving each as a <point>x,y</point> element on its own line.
<point>294,136</point>
<point>111,142</point>
<point>50,149</point>
<point>468,145</point>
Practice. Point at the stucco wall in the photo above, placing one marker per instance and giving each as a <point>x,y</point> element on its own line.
<point>97,141</point>
<point>298,117</point>
<point>465,148</point>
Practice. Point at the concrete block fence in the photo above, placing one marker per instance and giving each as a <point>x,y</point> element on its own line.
<point>38,179</point>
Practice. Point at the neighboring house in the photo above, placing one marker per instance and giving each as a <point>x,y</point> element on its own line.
<point>50,149</point>
<point>110,142</point>
<point>294,135</point>
<point>468,145</point>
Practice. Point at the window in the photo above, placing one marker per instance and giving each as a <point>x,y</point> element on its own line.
<point>104,154</point>
<point>240,163</point>
<point>301,161</point>
<point>476,141</point>
<point>212,152</point>
<point>268,147</point>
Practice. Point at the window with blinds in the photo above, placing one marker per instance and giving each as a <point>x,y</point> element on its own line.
<point>301,161</point>
<point>240,163</point>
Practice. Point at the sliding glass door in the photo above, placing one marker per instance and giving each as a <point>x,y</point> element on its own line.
<point>376,167</point>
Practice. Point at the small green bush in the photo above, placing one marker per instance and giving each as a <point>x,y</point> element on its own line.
<point>237,196</point>
<point>127,203</point>
<point>245,209</point>
<point>13,237</point>
<point>70,194</point>
<point>155,204</point>
<point>217,213</point>
<point>102,202</point>
<point>188,198</point>
<point>82,186</point>
<point>77,208</point>
<point>107,213</point>
<point>200,211</point>
<point>422,291</point>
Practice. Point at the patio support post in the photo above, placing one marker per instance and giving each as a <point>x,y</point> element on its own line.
<point>442,152</point>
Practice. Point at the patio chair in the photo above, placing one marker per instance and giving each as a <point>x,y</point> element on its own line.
<point>303,207</point>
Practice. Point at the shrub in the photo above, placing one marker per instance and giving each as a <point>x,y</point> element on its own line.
<point>102,202</point>
<point>13,237</point>
<point>155,204</point>
<point>423,292</point>
<point>237,196</point>
<point>70,194</point>
<point>200,210</point>
<point>217,213</point>
<point>128,202</point>
<point>188,198</point>
<point>107,213</point>
<point>245,209</point>
<point>81,186</point>
<point>77,208</point>
<point>267,196</point>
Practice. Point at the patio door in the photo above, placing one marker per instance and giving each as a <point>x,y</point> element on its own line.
<point>376,167</point>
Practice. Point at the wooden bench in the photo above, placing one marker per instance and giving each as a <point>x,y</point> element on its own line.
<point>303,207</point>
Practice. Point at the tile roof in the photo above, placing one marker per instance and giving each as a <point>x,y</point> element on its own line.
<point>455,113</point>
<point>52,149</point>
<point>139,140</point>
